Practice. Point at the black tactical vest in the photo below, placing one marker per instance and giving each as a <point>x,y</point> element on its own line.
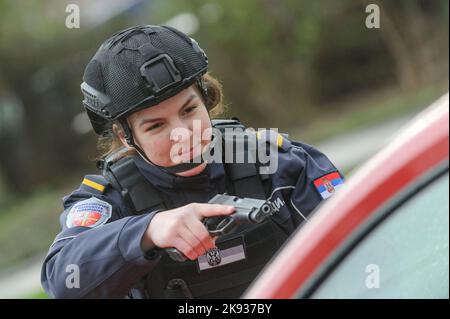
<point>222,273</point>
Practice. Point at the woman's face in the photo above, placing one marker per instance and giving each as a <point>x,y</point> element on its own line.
<point>173,131</point>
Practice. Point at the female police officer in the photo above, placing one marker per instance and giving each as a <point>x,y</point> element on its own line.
<point>142,85</point>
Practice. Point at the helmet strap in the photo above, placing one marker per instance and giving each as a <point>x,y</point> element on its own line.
<point>172,169</point>
<point>202,88</point>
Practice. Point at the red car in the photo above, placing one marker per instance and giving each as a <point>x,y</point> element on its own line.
<point>385,234</point>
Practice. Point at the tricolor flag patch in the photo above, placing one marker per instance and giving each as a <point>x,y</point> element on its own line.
<point>216,257</point>
<point>91,212</point>
<point>327,185</point>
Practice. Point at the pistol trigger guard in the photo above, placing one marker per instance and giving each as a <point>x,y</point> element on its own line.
<point>223,227</point>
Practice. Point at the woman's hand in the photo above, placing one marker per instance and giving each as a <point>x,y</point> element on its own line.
<point>182,228</point>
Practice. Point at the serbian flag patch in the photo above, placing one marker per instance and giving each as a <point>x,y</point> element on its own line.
<point>91,212</point>
<point>328,184</point>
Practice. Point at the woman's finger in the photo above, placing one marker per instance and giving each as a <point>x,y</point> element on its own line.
<point>200,232</point>
<point>180,244</point>
<point>191,240</point>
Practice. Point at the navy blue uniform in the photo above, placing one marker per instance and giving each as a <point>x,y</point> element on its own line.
<point>106,249</point>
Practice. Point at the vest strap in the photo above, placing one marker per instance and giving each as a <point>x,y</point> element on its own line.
<point>246,180</point>
<point>141,195</point>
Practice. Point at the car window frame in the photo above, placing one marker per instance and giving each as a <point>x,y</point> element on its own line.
<point>376,219</point>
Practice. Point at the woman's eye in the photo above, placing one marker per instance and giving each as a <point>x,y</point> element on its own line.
<point>154,126</point>
<point>189,109</point>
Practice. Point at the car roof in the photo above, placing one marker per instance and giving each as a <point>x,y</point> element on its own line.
<point>420,146</point>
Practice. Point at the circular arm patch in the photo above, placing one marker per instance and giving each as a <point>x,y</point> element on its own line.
<point>91,212</point>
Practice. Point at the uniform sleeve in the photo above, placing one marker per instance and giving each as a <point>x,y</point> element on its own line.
<point>89,259</point>
<point>304,178</point>
<point>318,179</point>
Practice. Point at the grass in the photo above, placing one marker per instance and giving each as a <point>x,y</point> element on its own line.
<point>36,295</point>
<point>28,228</point>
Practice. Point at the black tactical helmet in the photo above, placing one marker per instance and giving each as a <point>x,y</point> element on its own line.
<point>139,67</point>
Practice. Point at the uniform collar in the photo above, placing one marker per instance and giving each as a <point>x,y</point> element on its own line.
<point>159,178</point>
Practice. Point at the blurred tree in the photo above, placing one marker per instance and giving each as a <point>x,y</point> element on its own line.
<point>284,57</point>
<point>416,35</point>
<point>41,66</point>
<point>282,63</point>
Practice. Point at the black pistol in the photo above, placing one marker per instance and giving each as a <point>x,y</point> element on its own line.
<point>247,211</point>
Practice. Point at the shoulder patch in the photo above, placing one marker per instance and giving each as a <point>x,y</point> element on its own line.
<point>94,183</point>
<point>273,137</point>
<point>328,184</point>
<point>91,212</point>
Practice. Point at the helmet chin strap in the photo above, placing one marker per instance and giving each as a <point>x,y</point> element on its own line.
<point>182,167</point>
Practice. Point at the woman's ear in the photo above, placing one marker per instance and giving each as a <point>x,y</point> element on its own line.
<point>118,131</point>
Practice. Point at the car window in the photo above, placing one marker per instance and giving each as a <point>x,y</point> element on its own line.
<point>405,256</point>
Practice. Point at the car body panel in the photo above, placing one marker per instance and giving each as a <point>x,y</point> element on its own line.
<point>417,149</point>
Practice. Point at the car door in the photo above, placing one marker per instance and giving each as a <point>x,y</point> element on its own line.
<point>402,252</point>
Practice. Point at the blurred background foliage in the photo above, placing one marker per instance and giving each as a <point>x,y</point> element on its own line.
<point>310,68</point>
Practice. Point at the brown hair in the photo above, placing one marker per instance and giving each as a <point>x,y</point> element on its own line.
<point>214,103</point>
